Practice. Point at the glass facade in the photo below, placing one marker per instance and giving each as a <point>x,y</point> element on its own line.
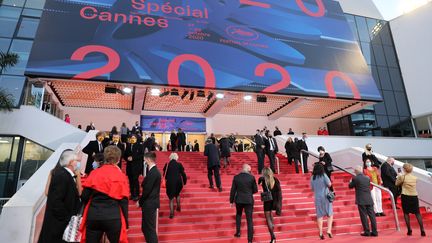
<point>20,158</point>
<point>392,117</point>
<point>19,20</point>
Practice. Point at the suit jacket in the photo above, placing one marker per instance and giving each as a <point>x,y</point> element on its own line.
<point>62,203</point>
<point>388,175</point>
<point>173,138</point>
<point>88,128</point>
<point>92,148</point>
<point>258,142</point>
<point>134,167</point>
<point>151,189</point>
<point>361,183</point>
<point>302,145</point>
<point>196,147</point>
<point>181,138</point>
<point>267,145</point>
<point>277,133</point>
<point>242,189</point>
<point>212,153</point>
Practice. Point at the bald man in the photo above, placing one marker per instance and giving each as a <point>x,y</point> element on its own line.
<point>242,190</point>
<point>364,201</point>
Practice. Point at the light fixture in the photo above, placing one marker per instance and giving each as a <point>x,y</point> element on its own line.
<point>247,97</point>
<point>220,95</point>
<point>165,93</point>
<point>201,93</point>
<point>210,96</point>
<point>261,98</point>
<point>127,90</point>
<point>191,96</point>
<point>174,92</point>
<point>155,92</point>
<point>185,93</point>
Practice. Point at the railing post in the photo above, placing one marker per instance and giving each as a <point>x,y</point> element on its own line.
<point>301,160</point>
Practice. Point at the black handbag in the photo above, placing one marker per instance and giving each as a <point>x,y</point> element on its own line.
<point>266,196</point>
<point>331,196</point>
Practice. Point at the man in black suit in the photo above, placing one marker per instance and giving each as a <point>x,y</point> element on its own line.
<point>271,150</point>
<point>181,140</point>
<point>364,201</point>
<point>242,190</point>
<point>92,148</point>
<point>277,132</point>
<point>133,155</point>
<point>116,141</point>
<point>136,129</point>
<point>303,146</point>
<point>388,176</point>
<point>259,150</point>
<point>213,163</point>
<point>150,201</point>
<point>63,199</point>
<point>90,127</point>
<point>196,146</point>
<point>173,140</point>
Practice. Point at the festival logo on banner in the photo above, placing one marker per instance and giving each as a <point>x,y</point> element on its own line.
<point>296,47</point>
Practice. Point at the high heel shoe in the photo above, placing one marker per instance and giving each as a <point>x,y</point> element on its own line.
<point>409,232</point>
<point>321,237</point>
<point>423,233</point>
<point>329,235</point>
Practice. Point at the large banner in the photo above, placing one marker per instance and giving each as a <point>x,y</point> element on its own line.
<point>169,123</point>
<point>294,47</point>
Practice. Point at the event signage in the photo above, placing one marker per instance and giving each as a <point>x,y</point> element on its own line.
<point>292,47</point>
<point>169,123</point>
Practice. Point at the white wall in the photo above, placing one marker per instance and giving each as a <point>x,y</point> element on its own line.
<point>413,37</point>
<point>365,8</point>
<point>38,126</point>
<point>104,119</point>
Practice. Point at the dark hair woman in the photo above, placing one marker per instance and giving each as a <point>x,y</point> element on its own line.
<point>105,197</point>
<point>271,183</point>
<point>320,184</point>
<point>326,160</point>
<point>175,177</point>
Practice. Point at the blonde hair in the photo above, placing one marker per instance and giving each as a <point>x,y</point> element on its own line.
<point>290,139</point>
<point>173,156</point>
<point>367,152</point>
<point>112,154</point>
<point>408,167</point>
<point>268,177</point>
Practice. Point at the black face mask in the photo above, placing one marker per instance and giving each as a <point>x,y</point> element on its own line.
<point>369,149</point>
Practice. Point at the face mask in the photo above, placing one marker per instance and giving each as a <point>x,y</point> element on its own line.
<point>100,139</point>
<point>321,152</point>
<point>78,166</point>
<point>133,141</point>
<point>369,149</point>
<point>368,164</point>
<point>95,165</point>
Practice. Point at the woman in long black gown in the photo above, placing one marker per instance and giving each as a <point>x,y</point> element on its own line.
<point>175,178</point>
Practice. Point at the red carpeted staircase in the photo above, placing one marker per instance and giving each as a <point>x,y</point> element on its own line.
<point>206,214</point>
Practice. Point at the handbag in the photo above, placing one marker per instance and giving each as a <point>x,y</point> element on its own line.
<point>72,233</point>
<point>163,182</point>
<point>266,196</point>
<point>399,188</point>
<point>331,196</point>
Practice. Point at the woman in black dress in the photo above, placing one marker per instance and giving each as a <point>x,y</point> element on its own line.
<point>326,160</point>
<point>269,182</point>
<point>175,178</point>
<point>225,152</point>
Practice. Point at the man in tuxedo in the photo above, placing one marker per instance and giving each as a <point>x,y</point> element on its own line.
<point>90,127</point>
<point>259,150</point>
<point>92,148</point>
<point>290,131</point>
<point>303,146</point>
<point>388,176</point>
<point>133,155</point>
<point>181,140</point>
<point>150,201</point>
<point>136,129</point>
<point>150,143</point>
<point>116,141</point>
<point>63,199</point>
<point>213,163</point>
<point>271,150</point>
<point>277,132</point>
<point>242,190</point>
<point>173,139</point>
<point>364,201</point>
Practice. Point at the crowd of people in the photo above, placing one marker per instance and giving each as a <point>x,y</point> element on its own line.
<point>103,195</point>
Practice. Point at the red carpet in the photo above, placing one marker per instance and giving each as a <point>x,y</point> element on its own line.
<point>207,217</point>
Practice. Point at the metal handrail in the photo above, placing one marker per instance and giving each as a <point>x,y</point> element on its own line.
<point>276,158</point>
<point>375,185</point>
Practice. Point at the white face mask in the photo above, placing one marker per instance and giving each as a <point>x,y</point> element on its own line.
<point>368,164</point>
<point>78,166</point>
<point>321,152</point>
<point>95,165</point>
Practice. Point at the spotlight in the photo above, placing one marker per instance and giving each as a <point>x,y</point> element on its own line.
<point>220,95</point>
<point>210,96</point>
<point>247,97</point>
<point>155,92</point>
<point>174,92</point>
<point>165,93</point>
<point>191,96</point>
<point>185,93</point>
<point>200,93</point>
<point>127,90</point>
<point>261,98</point>
<point>110,90</point>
